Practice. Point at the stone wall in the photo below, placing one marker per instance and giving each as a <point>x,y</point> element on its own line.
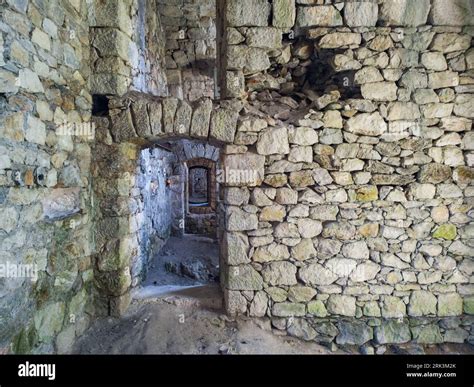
<point>347,160</point>
<point>362,228</point>
<point>154,209</point>
<point>45,154</point>
<point>127,47</point>
<point>190,31</point>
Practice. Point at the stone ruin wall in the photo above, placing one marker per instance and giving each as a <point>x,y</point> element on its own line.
<point>358,221</point>
<point>190,31</point>
<point>45,194</point>
<point>53,56</point>
<point>363,226</point>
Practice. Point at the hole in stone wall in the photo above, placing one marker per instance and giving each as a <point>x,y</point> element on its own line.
<point>100,105</point>
<point>322,78</point>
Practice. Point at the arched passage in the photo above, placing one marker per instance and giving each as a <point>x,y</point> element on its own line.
<point>144,144</point>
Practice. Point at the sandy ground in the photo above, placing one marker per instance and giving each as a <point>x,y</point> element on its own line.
<point>182,324</point>
<point>190,321</point>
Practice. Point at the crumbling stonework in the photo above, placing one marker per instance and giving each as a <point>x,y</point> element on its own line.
<point>347,155</point>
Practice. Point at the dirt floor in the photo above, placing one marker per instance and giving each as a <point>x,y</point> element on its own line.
<point>187,261</point>
<point>190,321</point>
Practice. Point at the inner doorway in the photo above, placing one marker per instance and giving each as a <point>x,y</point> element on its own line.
<point>190,255</point>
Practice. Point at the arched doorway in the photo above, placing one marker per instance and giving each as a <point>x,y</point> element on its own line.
<point>141,187</point>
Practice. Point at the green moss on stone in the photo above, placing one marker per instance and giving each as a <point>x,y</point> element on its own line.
<point>317,308</point>
<point>446,231</point>
<point>469,305</point>
<point>24,342</point>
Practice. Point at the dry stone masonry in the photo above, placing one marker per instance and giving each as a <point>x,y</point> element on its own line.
<point>362,228</point>
<point>344,143</point>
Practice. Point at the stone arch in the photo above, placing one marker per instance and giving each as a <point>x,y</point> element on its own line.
<point>131,124</point>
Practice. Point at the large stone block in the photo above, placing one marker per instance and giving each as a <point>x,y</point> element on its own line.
<point>450,42</point>
<point>353,333</point>
<point>454,13</point>
<point>239,220</point>
<point>241,13</point>
<point>223,125</point>
<point>235,247</point>
<point>140,117</point>
<point>284,13</point>
<point>407,13</point>
<point>280,273</point>
<point>245,169</point>
<point>422,303</point>
<point>450,304</point>
<point>392,332</point>
<point>264,37</point>
<point>361,13</point>
<point>323,16</point>
<point>112,42</point>
<point>315,274</point>
<point>249,59</point>
<point>273,141</point>
<point>61,203</point>
<point>244,277</point>
<point>341,305</point>
<point>367,124</point>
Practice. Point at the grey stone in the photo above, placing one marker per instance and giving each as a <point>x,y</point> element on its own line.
<point>280,273</point>
<point>422,303</point>
<point>353,333</point>
<point>273,141</point>
<point>61,203</point>
<point>404,12</point>
<point>223,125</point>
<point>392,332</point>
<point>244,277</point>
<point>361,13</point>
<point>315,274</point>
<point>300,328</point>
<point>284,13</point>
<point>341,305</point>
<point>320,16</point>
<point>366,124</point>
<point>248,12</point>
